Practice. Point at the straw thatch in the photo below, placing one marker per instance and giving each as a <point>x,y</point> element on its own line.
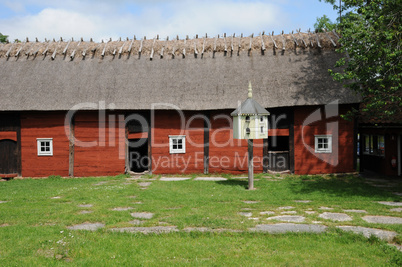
<point>171,47</point>
<point>215,81</point>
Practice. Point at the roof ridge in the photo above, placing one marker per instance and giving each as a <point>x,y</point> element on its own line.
<point>172,48</point>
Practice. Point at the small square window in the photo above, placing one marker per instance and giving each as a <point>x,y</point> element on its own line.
<point>177,144</point>
<point>45,146</point>
<point>323,144</point>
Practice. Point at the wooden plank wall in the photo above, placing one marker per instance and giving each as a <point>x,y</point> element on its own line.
<point>169,123</point>
<point>103,158</point>
<point>309,163</point>
<point>44,125</point>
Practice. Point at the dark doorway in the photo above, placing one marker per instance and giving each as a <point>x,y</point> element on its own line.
<point>277,158</point>
<point>8,157</point>
<point>138,155</point>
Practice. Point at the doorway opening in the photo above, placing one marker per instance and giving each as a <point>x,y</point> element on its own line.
<point>138,155</point>
<point>278,153</point>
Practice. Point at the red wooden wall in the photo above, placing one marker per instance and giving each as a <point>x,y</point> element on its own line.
<point>228,155</point>
<point>167,123</point>
<point>103,157</point>
<point>341,158</point>
<point>43,125</point>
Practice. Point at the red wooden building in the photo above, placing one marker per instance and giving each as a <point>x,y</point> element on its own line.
<point>91,109</point>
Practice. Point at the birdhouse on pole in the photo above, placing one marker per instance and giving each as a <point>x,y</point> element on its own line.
<point>250,121</point>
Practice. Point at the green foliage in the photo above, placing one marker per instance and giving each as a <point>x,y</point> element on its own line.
<point>371,42</point>
<point>324,22</point>
<point>3,38</point>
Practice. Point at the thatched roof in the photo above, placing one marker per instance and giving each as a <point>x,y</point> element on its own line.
<point>196,74</point>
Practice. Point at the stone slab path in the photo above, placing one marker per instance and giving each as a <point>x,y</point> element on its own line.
<point>122,208</point>
<point>337,217</point>
<point>87,226</point>
<point>85,205</point>
<point>147,230</point>
<point>355,211</point>
<point>288,227</point>
<point>170,179</point>
<point>287,218</point>
<point>210,179</point>
<point>367,232</point>
<point>390,203</point>
<point>142,215</point>
<point>383,219</point>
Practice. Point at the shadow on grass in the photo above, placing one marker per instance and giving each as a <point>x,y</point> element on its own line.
<point>339,187</point>
<point>233,182</point>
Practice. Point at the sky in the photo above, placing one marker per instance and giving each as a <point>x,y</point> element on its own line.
<point>105,19</point>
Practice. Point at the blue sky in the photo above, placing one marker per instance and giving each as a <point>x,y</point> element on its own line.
<point>104,19</point>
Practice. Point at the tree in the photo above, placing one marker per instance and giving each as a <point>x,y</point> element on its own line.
<point>371,34</point>
<point>3,38</point>
<point>324,22</point>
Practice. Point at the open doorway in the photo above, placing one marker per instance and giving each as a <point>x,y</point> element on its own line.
<point>278,153</point>
<point>138,155</point>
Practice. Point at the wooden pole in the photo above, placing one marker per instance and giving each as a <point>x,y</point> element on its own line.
<point>250,165</point>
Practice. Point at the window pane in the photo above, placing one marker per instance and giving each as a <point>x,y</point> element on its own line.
<point>381,145</point>
<point>174,141</point>
<point>180,141</point>
<point>174,146</point>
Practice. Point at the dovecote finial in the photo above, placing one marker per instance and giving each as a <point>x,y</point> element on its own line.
<point>250,90</point>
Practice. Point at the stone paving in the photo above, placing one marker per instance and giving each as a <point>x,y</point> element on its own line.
<point>142,215</point>
<point>147,230</point>
<point>390,203</point>
<point>122,208</point>
<point>210,179</point>
<point>367,232</point>
<point>170,179</point>
<point>87,226</point>
<point>383,219</point>
<point>287,218</point>
<point>85,205</point>
<point>288,227</point>
<point>293,222</point>
<point>337,217</point>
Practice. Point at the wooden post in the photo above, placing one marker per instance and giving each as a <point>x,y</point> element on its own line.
<point>265,155</point>
<point>250,165</point>
<point>207,124</point>
<point>19,162</point>
<point>71,147</point>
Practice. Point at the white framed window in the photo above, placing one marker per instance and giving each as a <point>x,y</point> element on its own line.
<point>323,144</point>
<point>45,146</point>
<point>177,144</point>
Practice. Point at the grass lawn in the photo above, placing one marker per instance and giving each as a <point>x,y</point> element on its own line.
<point>35,214</point>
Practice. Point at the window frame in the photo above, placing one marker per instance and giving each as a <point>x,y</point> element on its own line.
<point>371,145</point>
<point>323,150</point>
<point>39,142</point>
<point>173,150</point>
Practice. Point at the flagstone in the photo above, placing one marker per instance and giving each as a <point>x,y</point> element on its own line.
<point>383,219</point>
<point>287,218</point>
<point>367,232</point>
<point>210,179</point>
<point>142,215</point>
<point>340,217</point>
<point>87,226</point>
<point>288,227</point>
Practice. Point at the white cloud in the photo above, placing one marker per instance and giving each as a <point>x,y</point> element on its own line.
<point>170,18</point>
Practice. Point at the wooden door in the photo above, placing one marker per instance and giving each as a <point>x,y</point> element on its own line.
<point>8,157</point>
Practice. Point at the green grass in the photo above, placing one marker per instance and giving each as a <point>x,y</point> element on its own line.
<point>34,224</point>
